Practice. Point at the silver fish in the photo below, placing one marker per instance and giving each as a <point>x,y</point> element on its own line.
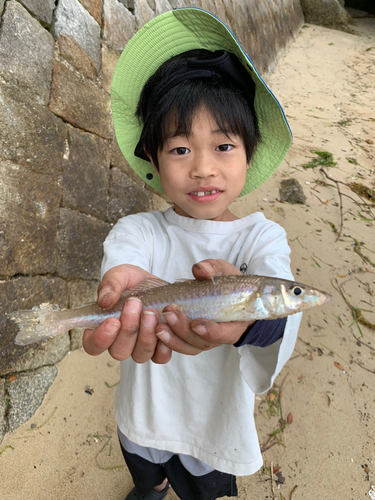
<point>221,299</point>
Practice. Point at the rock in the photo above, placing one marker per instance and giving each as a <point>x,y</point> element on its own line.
<point>3,423</point>
<point>80,102</point>
<point>30,135</point>
<point>24,293</point>
<point>327,13</point>
<point>162,6</point>
<point>26,394</point>
<point>291,191</point>
<point>77,57</point>
<point>81,240</point>
<point>85,176</point>
<point>28,220</point>
<point>41,9</point>
<point>2,2</point>
<point>72,19</point>
<point>119,24</point>
<point>26,52</point>
<point>118,161</point>
<point>125,197</point>
<point>80,292</point>
<point>109,61</point>
<point>94,7</point>
<point>129,4</point>
<point>143,13</point>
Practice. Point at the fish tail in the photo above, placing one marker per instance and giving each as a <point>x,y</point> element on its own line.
<point>40,323</point>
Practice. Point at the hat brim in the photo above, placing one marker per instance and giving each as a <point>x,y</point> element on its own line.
<point>171,34</point>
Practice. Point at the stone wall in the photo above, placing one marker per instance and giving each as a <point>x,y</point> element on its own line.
<point>63,181</point>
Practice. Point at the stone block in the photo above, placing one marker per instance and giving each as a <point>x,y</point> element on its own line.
<point>26,394</point>
<point>72,19</point>
<point>80,293</point>
<point>41,9</point>
<point>3,423</point>
<point>109,61</point>
<point>26,52</point>
<point>30,135</point>
<point>129,4</point>
<point>80,102</point>
<point>77,57</point>
<point>28,220</point>
<point>126,197</point>
<point>85,176</point>
<point>118,24</point>
<point>118,161</point>
<point>81,240</point>
<point>24,293</point>
<point>2,2</point>
<point>152,4</point>
<point>143,13</point>
<point>162,6</point>
<point>94,7</point>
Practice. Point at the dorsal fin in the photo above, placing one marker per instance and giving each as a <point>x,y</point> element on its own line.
<point>146,285</point>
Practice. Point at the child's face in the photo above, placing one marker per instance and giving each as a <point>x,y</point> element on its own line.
<point>205,172</point>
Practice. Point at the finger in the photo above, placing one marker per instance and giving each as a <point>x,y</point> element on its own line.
<point>126,338</point>
<point>180,324</point>
<point>162,353</point>
<point>213,267</point>
<point>99,340</point>
<point>166,335</point>
<point>145,345</point>
<point>116,280</point>
<point>219,333</point>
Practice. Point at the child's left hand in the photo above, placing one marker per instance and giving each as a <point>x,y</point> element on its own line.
<point>182,335</point>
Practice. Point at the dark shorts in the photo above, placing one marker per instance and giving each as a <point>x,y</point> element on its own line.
<point>210,486</point>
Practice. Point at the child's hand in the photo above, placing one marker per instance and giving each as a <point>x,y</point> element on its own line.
<point>132,335</point>
<point>192,337</point>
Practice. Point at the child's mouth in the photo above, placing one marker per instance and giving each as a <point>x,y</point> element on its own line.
<point>205,196</point>
<point>205,193</point>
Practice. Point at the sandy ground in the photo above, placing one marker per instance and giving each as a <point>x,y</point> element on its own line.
<point>69,450</point>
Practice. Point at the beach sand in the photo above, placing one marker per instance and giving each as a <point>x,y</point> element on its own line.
<point>69,449</point>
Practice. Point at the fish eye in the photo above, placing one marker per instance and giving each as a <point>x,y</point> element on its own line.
<point>297,290</point>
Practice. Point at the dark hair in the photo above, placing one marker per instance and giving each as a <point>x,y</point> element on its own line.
<point>232,110</point>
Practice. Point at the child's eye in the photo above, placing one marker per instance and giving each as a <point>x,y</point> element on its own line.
<point>180,151</point>
<point>224,147</point>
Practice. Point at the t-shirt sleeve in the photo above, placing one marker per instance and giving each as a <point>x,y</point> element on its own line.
<point>261,365</point>
<point>127,243</point>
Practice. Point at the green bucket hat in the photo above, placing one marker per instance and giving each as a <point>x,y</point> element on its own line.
<point>171,34</point>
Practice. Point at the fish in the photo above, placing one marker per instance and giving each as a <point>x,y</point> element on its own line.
<point>221,299</point>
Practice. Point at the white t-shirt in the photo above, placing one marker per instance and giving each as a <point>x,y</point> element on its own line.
<point>201,405</point>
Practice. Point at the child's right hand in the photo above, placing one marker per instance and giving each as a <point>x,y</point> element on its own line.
<point>132,335</point>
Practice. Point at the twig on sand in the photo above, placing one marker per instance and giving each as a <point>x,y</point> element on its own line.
<point>340,197</point>
<point>356,311</point>
<point>293,490</point>
<point>367,369</point>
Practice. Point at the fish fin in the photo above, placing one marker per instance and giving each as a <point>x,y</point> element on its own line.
<point>146,285</point>
<point>36,324</point>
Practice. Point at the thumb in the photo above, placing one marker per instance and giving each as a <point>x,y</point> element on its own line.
<point>207,268</point>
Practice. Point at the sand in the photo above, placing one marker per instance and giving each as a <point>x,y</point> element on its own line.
<point>69,449</point>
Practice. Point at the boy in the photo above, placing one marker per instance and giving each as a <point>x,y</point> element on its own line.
<point>195,120</point>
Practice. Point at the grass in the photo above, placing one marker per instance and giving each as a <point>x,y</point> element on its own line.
<point>323,159</point>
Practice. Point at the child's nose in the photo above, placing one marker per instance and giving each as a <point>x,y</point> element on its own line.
<point>203,166</point>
